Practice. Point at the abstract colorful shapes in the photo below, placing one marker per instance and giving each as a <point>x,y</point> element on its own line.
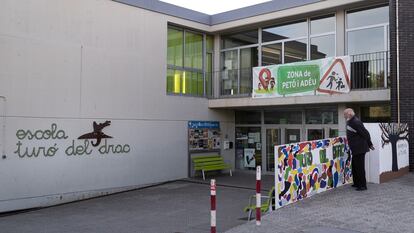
<point>298,175</point>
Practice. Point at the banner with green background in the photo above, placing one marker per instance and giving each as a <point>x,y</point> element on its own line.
<point>323,76</point>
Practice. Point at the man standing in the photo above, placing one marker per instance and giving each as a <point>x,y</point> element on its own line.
<point>359,142</point>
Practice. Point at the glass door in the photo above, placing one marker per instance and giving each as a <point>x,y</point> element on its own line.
<point>272,139</point>
<point>315,134</point>
<point>292,136</point>
<point>248,148</point>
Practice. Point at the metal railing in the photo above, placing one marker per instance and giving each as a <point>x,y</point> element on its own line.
<point>368,71</point>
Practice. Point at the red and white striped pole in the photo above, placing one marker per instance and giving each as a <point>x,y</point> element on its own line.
<point>258,195</point>
<point>213,205</point>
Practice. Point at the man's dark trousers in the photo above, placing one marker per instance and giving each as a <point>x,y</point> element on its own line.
<point>358,170</point>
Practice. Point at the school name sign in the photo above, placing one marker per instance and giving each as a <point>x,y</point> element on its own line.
<point>318,77</point>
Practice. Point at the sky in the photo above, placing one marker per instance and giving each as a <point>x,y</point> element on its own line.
<point>214,6</point>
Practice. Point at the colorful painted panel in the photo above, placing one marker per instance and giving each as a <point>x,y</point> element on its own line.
<point>307,168</point>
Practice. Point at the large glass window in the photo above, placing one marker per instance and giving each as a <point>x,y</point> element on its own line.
<point>186,73</point>
<point>367,30</point>
<point>379,113</point>
<point>293,30</point>
<point>322,47</point>
<point>239,39</point>
<point>312,38</point>
<point>248,117</point>
<point>230,72</point>
<point>322,38</point>
<point>322,25</point>
<point>367,42</point>
<point>272,54</point>
<point>193,56</point>
<point>295,51</point>
<point>248,59</point>
<point>364,17</point>
<point>175,47</point>
<point>283,117</point>
<point>321,116</point>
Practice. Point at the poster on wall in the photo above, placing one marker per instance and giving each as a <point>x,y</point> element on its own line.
<point>249,157</point>
<point>317,77</point>
<point>203,135</point>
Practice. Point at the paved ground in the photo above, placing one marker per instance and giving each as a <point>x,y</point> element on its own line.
<point>181,206</point>
<point>388,207</point>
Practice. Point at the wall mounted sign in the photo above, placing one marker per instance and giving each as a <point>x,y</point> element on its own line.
<point>48,142</point>
<point>316,77</point>
<point>97,133</point>
<point>203,135</point>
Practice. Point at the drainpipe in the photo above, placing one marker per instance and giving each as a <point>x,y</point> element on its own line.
<point>3,126</point>
<point>398,63</point>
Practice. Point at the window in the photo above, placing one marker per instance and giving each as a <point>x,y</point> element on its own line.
<point>248,117</point>
<point>322,37</point>
<point>367,30</point>
<point>312,38</point>
<point>186,72</point>
<point>379,113</point>
<point>239,39</point>
<point>288,31</point>
<point>295,51</point>
<point>272,54</point>
<point>321,116</point>
<point>367,41</point>
<point>283,117</point>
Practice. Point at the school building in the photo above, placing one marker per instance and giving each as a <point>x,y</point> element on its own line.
<point>102,96</point>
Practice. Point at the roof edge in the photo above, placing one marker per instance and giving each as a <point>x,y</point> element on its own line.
<point>211,20</point>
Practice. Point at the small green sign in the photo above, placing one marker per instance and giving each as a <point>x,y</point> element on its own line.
<point>297,78</point>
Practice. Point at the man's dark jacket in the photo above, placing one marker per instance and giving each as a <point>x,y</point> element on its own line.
<point>358,136</point>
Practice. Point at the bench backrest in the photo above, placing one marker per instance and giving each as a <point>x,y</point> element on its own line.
<point>210,160</point>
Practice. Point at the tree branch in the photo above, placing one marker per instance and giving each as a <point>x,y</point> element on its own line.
<point>385,130</point>
<point>403,137</point>
<point>384,141</point>
<point>403,129</point>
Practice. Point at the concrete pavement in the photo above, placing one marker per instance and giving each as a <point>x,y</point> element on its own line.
<point>383,208</point>
<point>183,206</point>
<point>174,207</point>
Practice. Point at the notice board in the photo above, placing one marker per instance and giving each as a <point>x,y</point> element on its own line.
<point>203,135</point>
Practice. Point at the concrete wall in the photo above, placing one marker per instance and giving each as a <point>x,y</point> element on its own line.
<point>65,64</point>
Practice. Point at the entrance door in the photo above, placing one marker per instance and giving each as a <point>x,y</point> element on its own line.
<point>292,136</point>
<point>315,134</point>
<point>272,139</point>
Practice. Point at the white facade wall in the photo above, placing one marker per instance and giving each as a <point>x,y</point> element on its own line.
<point>73,62</point>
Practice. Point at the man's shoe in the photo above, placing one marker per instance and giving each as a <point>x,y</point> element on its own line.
<point>361,188</point>
<point>354,185</point>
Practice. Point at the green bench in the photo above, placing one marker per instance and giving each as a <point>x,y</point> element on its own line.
<point>266,202</point>
<point>210,163</point>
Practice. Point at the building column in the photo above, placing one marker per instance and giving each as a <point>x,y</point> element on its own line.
<point>216,68</point>
<point>406,64</point>
<point>340,33</point>
<point>341,120</point>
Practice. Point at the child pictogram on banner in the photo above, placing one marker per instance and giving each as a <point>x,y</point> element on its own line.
<point>336,79</point>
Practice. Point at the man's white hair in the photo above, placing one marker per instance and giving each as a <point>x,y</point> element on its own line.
<point>350,112</point>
